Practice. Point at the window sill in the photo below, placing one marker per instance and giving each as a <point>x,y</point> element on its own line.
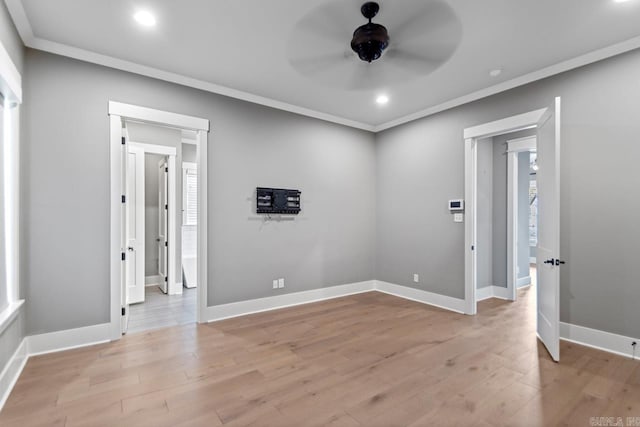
<point>8,314</point>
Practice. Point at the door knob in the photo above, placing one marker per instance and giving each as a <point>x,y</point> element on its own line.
<point>130,248</point>
<point>550,261</point>
<point>558,262</point>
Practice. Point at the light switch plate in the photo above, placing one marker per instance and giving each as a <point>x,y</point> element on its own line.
<point>416,278</point>
<point>458,217</point>
<point>281,283</point>
<point>275,284</point>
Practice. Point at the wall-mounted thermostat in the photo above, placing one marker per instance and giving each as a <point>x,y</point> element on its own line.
<point>456,205</point>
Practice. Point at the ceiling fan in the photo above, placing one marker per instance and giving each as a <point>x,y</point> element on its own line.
<point>417,37</point>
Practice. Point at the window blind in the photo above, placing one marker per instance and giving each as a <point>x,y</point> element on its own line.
<point>191,189</point>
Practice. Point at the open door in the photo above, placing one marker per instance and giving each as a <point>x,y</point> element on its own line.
<point>548,316</point>
<point>163,225</point>
<point>135,225</point>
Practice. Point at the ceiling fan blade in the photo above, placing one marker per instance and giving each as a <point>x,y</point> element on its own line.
<point>428,20</point>
<point>317,64</point>
<point>415,62</point>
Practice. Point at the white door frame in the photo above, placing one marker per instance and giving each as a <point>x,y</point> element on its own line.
<point>471,136</point>
<point>118,113</point>
<point>514,147</point>
<point>173,287</point>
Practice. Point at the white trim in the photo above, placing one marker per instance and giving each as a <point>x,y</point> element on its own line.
<point>10,78</point>
<point>601,340</point>
<point>487,292</point>
<point>150,115</point>
<point>521,145</point>
<point>163,150</point>
<point>203,236</point>
<point>68,339</point>
<point>189,165</point>
<point>425,297</point>
<point>9,313</point>
<point>532,259</point>
<point>484,293</point>
<point>152,280</point>
<point>506,125</point>
<point>523,281</point>
<point>471,136</point>
<point>242,308</point>
<point>512,224</point>
<point>12,370</point>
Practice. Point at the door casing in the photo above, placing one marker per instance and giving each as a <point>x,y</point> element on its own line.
<point>118,114</point>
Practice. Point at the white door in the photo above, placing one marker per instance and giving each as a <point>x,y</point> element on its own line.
<point>135,225</point>
<point>548,177</point>
<point>163,221</point>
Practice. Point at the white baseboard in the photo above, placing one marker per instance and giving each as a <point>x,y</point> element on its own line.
<point>152,280</point>
<point>425,297</point>
<point>241,308</point>
<point>12,371</point>
<point>523,281</point>
<point>68,339</point>
<point>594,338</point>
<point>492,292</point>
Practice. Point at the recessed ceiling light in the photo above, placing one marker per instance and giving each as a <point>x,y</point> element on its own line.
<point>382,99</point>
<point>620,1</point>
<point>145,18</point>
<point>496,72</point>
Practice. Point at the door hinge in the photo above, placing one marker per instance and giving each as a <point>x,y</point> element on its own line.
<point>124,199</point>
<point>166,244</point>
<point>473,248</point>
<point>166,169</point>
<point>123,141</point>
<point>123,256</point>
<point>166,279</point>
<point>166,207</point>
<point>124,311</point>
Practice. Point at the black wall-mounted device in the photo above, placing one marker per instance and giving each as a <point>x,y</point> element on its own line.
<point>277,201</point>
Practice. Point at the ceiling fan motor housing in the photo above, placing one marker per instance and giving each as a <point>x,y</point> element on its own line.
<point>370,40</point>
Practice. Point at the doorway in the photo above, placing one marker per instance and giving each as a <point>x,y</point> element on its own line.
<point>129,243</point>
<point>546,122</point>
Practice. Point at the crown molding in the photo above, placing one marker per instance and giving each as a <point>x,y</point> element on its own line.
<point>25,30</point>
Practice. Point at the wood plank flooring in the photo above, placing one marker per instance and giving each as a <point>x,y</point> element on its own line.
<point>160,310</point>
<point>365,360</point>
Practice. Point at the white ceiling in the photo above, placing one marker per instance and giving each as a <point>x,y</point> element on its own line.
<point>247,48</point>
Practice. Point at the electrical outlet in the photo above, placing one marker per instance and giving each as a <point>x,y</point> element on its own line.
<point>281,283</point>
<point>416,278</point>
<point>275,284</point>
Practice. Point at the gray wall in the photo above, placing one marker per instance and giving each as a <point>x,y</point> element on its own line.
<point>151,213</point>
<point>500,209</point>
<point>330,243</point>
<point>485,214</point>
<point>421,166</point>
<point>523,215</point>
<point>189,153</point>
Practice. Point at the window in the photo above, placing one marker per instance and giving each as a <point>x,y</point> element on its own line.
<point>4,288</point>
<point>190,196</point>
<point>10,99</point>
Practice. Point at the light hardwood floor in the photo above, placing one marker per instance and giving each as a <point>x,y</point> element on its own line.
<point>365,360</point>
<point>160,310</point>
